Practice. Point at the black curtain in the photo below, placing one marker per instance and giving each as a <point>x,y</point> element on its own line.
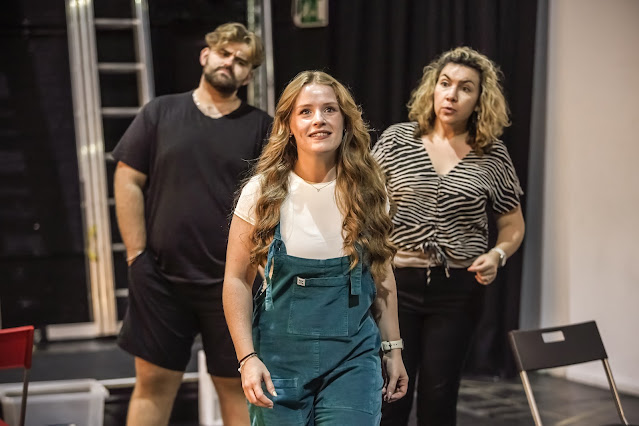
<point>42,261</point>
<point>379,47</point>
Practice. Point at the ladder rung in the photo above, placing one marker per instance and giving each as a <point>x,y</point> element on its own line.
<point>120,67</point>
<point>120,112</point>
<point>118,247</point>
<point>115,23</point>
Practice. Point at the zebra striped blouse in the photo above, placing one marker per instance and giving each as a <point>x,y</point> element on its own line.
<point>441,219</point>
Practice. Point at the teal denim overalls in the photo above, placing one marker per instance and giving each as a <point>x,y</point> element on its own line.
<point>314,331</point>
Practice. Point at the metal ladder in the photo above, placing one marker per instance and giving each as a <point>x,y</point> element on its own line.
<point>143,66</point>
<point>90,117</point>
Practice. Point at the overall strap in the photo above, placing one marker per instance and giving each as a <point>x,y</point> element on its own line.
<point>356,274</point>
<point>276,245</point>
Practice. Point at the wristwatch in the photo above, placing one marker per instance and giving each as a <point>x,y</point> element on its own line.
<point>502,256</point>
<point>388,346</point>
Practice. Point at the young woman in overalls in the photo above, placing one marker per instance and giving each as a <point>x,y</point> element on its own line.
<point>315,215</point>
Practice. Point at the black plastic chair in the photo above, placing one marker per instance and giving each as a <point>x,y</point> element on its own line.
<point>556,347</point>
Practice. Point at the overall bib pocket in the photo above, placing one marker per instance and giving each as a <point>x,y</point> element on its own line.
<point>319,306</point>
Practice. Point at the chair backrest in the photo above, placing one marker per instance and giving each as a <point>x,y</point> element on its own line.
<point>557,346</point>
<point>16,347</point>
<point>16,350</point>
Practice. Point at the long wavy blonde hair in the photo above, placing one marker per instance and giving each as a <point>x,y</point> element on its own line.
<point>485,124</point>
<point>360,186</point>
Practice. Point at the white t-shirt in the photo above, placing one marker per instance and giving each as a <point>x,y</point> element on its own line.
<point>310,221</point>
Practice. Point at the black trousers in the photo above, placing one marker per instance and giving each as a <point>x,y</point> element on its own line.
<point>437,322</point>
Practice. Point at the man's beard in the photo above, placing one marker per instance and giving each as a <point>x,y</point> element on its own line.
<point>225,85</point>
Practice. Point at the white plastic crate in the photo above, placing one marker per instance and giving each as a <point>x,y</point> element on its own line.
<point>67,402</point>
<point>208,402</point>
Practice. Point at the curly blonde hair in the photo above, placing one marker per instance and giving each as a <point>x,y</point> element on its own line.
<point>485,124</point>
<point>360,186</point>
<point>234,32</point>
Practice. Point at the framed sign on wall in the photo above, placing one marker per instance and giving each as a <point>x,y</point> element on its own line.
<point>310,13</point>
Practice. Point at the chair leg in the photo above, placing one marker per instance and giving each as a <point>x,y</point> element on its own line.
<point>531,398</point>
<point>25,391</point>
<point>613,389</point>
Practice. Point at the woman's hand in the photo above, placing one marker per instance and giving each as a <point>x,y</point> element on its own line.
<point>395,377</point>
<point>485,267</point>
<point>254,372</point>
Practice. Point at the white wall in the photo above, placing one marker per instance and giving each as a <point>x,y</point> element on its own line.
<point>590,260</point>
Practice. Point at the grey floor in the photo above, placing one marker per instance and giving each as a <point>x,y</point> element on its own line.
<point>482,402</point>
<point>560,402</point>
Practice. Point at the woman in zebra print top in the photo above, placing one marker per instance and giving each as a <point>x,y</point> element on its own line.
<point>444,169</point>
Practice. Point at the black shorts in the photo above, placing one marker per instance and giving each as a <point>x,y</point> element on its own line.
<point>163,318</point>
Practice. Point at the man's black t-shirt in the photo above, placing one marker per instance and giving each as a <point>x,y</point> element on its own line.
<point>194,164</point>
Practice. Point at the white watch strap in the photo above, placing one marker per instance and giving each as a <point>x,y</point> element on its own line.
<point>502,255</point>
<point>393,344</point>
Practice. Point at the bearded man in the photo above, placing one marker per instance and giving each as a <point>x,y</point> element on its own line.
<point>179,166</point>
